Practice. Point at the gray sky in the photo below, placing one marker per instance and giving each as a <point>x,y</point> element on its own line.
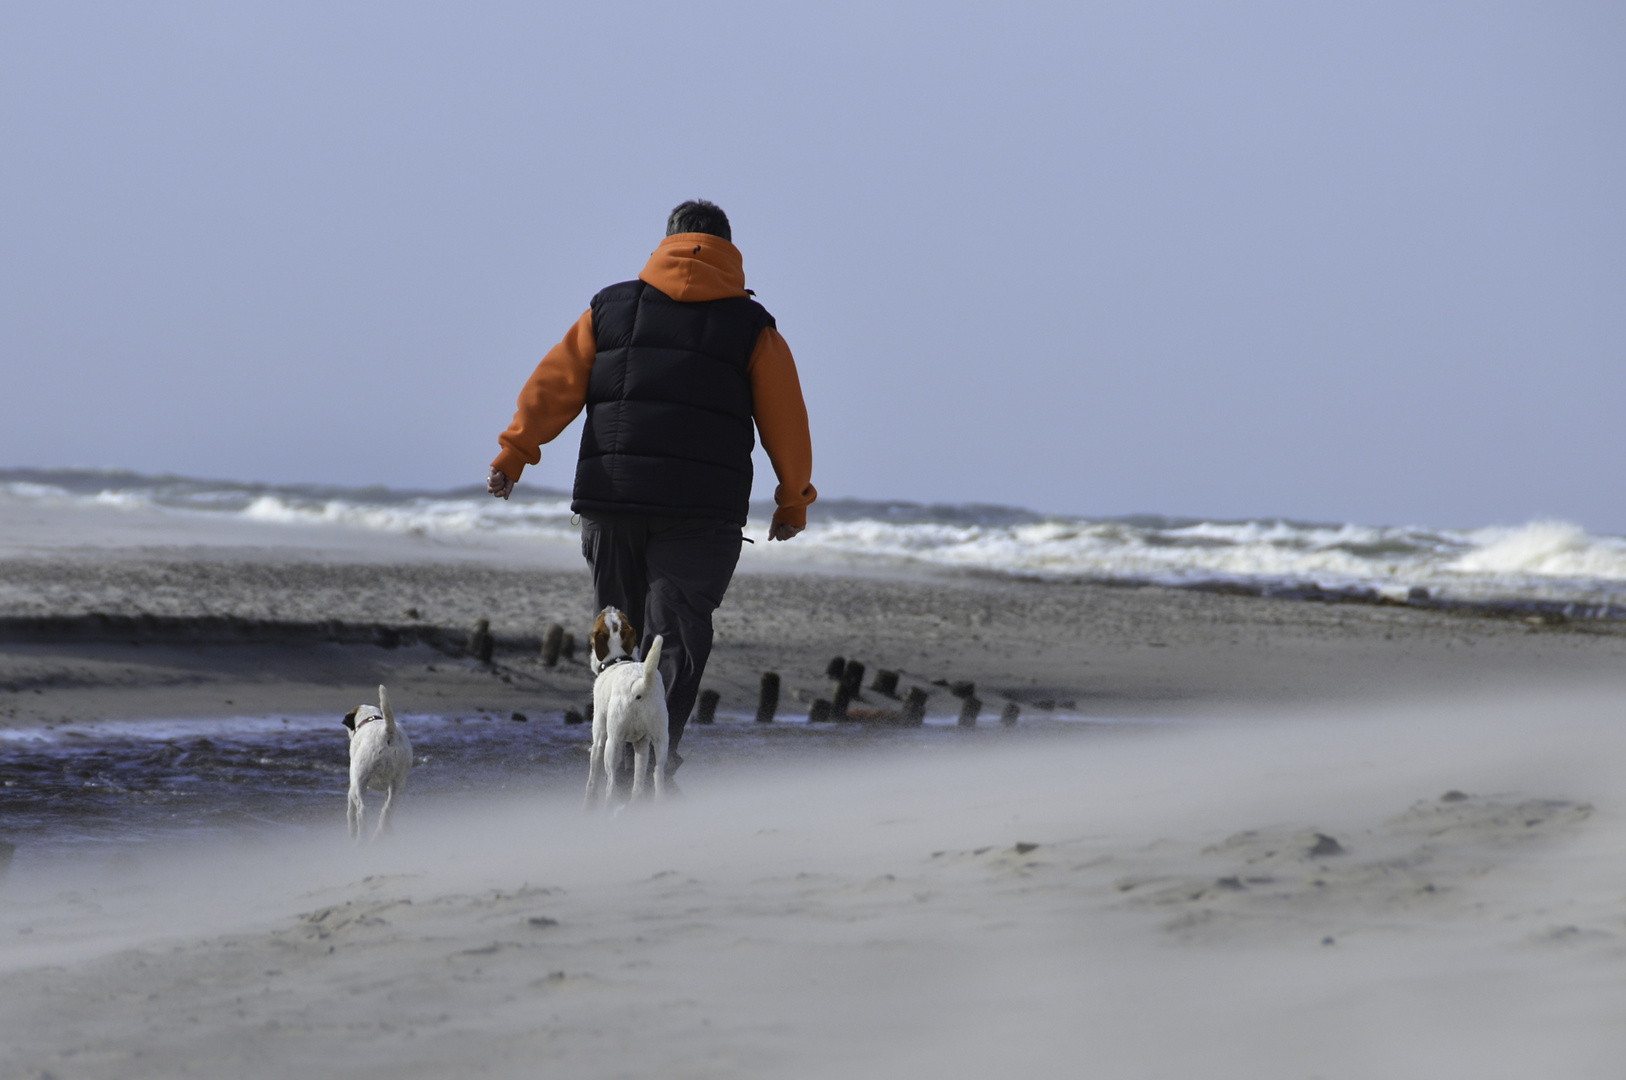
<point>1340,262</point>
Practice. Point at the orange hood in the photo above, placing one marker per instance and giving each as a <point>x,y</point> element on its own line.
<point>696,266</point>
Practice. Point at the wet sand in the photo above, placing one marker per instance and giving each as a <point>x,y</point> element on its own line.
<point>1112,651</point>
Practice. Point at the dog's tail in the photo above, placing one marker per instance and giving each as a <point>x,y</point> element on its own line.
<point>384,707</point>
<point>652,663</point>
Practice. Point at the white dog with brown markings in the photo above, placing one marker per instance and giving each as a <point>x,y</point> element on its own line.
<point>380,758</point>
<point>629,706</point>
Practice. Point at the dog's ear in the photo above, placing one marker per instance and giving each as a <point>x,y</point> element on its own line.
<point>601,642</point>
<point>629,638</point>
<point>350,720</point>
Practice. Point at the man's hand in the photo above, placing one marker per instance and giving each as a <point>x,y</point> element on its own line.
<point>782,531</point>
<point>499,484</point>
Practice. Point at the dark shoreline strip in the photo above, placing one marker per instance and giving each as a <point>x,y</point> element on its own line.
<point>101,628</point>
<point>1550,612</point>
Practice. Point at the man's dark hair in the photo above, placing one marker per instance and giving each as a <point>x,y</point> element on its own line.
<point>698,215</point>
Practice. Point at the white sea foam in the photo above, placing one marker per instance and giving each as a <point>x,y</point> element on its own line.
<point>1545,561</point>
<point>1545,549</point>
<point>423,516</point>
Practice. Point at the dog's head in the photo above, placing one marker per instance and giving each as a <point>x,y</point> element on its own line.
<point>613,637</point>
<point>361,714</point>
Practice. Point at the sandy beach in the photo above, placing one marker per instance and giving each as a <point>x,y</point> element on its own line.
<point>1200,655</point>
<point>1303,839</point>
<point>224,618</point>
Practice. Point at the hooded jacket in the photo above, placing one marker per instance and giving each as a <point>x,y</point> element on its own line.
<point>689,268</point>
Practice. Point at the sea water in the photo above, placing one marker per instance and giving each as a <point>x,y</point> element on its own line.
<point>1542,562</point>
<point>101,789</point>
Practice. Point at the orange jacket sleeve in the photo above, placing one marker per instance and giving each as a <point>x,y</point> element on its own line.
<point>781,417</point>
<point>553,395</point>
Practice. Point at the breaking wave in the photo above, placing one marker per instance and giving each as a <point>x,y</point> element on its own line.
<point>1540,561</point>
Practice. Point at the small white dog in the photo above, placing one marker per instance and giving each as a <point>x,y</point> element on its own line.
<point>380,758</point>
<point>629,706</point>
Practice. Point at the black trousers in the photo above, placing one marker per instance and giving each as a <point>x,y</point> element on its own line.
<point>667,575</point>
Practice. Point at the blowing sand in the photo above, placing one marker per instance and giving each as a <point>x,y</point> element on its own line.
<point>1359,842</point>
<point>1146,904</point>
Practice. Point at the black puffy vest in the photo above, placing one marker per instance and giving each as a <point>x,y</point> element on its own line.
<point>669,429</point>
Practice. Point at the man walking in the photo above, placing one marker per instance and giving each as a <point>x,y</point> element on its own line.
<point>673,368</point>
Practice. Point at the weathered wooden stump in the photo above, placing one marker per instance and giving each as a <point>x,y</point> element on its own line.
<point>835,667</point>
<point>852,677</point>
<point>914,707</point>
<point>768,700</point>
<point>963,689</point>
<point>886,682</point>
<point>820,712</point>
<point>839,702</point>
<point>1008,717</point>
<point>708,707</point>
<point>574,717</point>
<point>567,647</point>
<point>552,643</point>
<point>480,642</point>
<point>970,708</point>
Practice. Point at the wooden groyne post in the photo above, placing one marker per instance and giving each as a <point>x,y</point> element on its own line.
<point>481,643</point>
<point>914,707</point>
<point>768,699</point>
<point>552,643</point>
<point>852,677</point>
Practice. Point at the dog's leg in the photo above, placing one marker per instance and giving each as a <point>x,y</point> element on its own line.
<point>612,763</point>
<point>384,814</point>
<point>660,740</point>
<point>355,811</point>
<point>640,763</point>
<point>595,765</point>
